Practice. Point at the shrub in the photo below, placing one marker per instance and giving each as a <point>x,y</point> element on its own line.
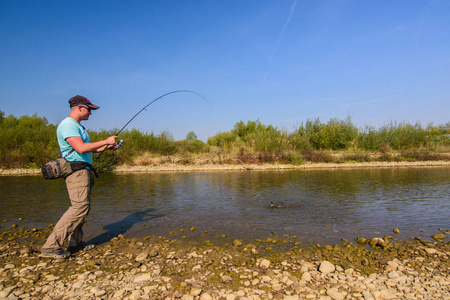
<point>26,141</point>
<point>294,158</point>
<point>396,136</point>
<point>225,140</point>
<point>333,135</point>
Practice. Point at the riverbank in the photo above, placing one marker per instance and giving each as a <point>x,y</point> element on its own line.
<point>161,268</point>
<point>201,166</point>
<point>270,166</point>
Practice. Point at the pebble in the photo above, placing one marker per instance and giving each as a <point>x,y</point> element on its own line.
<point>367,295</point>
<point>206,296</point>
<point>277,287</point>
<point>438,237</point>
<point>264,264</point>
<point>142,278</point>
<point>430,250</point>
<point>195,291</point>
<point>97,291</point>
<point>306,276</point>
<point>135,295</point>
<point>51,277</point>
<point>141,257</point>
<point>335,294</point>
<point>326,267</point>
<point>119,293</point>
<point>4,294</point>
<point>78,284</point>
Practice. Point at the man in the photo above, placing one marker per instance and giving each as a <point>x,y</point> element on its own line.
<point>75,145</point>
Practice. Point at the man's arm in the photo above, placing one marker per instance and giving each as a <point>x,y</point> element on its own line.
<point>77,143</point>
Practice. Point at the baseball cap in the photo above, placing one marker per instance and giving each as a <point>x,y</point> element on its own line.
<point>77,100</point>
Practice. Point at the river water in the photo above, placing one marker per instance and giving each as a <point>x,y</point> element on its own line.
<point>314,206</point>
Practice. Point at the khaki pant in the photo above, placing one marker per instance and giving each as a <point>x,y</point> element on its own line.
<point>79,186</point>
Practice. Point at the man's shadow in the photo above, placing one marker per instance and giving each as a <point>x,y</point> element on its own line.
<point>122,226</point>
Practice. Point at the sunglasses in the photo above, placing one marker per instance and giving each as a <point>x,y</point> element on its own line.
<point>88,108</point>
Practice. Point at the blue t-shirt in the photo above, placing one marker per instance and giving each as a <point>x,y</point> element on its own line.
<point>69,128</point>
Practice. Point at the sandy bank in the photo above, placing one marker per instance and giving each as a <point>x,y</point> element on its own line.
<point>176,167</point>
<point>230,167</point>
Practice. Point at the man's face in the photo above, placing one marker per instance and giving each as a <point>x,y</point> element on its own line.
<point>85,112</point>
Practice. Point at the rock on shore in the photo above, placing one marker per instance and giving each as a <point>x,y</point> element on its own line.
<point>160,268</point>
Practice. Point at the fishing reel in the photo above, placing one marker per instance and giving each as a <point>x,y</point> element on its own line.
<point>119,144</point>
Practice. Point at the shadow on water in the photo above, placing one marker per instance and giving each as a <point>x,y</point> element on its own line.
<point>120,227</point>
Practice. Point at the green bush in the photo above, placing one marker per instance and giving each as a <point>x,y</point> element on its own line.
<point>225,140</point>
<point>252,135</point>
<point>294,158</point>
<point>299,141</point>
<point>26,141</point>
<point>194,147</point>
<point>334,135</point>
<point>393,136</point>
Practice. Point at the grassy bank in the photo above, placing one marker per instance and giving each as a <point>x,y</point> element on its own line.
<point>30,141</point>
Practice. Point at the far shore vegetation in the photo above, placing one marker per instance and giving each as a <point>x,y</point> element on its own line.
<point>30,142</point>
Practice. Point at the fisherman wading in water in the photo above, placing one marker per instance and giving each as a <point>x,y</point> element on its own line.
<point>75,145</point>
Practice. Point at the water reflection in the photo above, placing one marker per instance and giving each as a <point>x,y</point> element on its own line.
<point>317,206</point>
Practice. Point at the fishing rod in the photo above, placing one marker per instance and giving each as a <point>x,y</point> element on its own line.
<point>120,143</point>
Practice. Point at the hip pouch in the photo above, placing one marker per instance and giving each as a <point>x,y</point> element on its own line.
<point>61,168</point>
<point>58,168</point>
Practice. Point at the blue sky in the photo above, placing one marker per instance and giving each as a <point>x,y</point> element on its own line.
<point>282,62</point>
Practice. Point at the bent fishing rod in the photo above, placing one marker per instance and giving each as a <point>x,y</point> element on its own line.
<point>144,108</point>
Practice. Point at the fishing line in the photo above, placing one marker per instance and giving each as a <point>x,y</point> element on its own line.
<point>150,103</point>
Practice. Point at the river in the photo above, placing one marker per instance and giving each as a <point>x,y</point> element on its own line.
<point>306,206</point>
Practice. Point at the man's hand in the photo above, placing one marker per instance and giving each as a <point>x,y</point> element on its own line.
<point>111,142</point>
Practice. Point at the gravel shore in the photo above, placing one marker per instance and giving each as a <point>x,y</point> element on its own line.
<point>161,268</point>
<point>202,167</point>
